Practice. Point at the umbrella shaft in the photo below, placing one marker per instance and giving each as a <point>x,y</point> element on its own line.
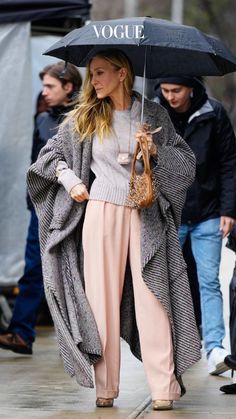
<point>144,84</point>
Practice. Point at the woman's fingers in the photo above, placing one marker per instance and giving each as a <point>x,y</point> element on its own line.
<point>144,138</point>
<point>79,193</point>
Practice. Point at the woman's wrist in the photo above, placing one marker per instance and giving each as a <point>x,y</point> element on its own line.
<point>153,150</point>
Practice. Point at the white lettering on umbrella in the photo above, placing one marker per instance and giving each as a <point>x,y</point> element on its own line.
<point>139,31</point>
<point>107,31</point>
<point>119,31</point>
<point>119,34</point>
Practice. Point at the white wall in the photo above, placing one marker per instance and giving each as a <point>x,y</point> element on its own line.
<point>15,143</point>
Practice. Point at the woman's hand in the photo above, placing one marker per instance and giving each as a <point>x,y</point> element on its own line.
<point>79,193</point>
<point>141,136</point>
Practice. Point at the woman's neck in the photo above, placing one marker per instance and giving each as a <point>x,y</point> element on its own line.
<point>121,102</point>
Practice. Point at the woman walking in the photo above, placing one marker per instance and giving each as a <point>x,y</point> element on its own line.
<point>110,269</point>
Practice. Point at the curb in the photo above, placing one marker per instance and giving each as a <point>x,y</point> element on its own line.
<point>139,409</point>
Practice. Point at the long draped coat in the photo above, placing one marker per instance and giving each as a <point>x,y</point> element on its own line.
<point>163,267</point>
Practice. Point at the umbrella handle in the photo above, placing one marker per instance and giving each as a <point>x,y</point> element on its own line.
<point>144,83</point>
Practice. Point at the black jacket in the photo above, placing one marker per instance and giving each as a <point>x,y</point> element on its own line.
<point>208,131</point>
<point>45,127</point>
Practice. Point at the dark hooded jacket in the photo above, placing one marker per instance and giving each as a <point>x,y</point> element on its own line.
<point>208,131</point>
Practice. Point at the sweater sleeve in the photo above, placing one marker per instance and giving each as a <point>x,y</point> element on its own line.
<point>66,176</point>
<point>51,201</point>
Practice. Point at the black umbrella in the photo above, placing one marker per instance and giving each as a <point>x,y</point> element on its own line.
<point>156,48</point>
<point>167,47</point>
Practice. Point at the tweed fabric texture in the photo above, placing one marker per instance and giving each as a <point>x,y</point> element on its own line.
<point>163,267</point>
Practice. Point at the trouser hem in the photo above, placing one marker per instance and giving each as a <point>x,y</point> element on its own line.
<point>107,394</point>
<point>213,347</point>
<point>27,339</point>
<point>165,396</point>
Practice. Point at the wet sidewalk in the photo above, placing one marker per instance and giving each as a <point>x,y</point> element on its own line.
<point>37,387</point>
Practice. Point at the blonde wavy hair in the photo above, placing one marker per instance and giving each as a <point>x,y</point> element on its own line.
<point>93,115</point>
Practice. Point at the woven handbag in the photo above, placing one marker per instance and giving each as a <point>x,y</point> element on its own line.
<point>142,191</point>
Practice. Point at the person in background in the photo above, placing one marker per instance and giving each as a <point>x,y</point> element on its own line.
<point>41,104</point>
<point>60,85</point>
<point>111,269</point>
<point>210,209</point>
<point>230,359</point>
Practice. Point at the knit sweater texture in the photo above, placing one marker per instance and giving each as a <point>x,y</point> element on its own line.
<point>111,182</point>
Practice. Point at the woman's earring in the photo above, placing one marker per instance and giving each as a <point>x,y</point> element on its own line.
<point>191,93</point>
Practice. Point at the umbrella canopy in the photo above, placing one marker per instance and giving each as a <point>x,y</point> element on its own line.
<point>166,47</point>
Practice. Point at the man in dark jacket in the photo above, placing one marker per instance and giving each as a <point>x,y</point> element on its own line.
<point>210,208</point>
<point>60,85</point>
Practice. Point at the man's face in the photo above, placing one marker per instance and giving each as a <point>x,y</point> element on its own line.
<point>177,96</point>
<point>54,92</point>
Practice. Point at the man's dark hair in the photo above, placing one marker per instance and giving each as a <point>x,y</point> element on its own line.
<point>63,73</point>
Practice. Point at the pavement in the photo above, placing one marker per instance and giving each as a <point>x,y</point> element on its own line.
<point>37,387</point>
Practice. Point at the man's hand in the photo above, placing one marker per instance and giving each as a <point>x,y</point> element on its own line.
<point>79,193</point>
<point>226,225</point>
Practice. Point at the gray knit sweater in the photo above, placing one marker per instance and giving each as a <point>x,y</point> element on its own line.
<point>111,182</point>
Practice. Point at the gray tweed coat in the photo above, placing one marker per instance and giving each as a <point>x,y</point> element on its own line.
<point>163,267</point>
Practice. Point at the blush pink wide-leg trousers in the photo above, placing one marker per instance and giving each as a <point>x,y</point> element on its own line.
<point>111,233</point>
